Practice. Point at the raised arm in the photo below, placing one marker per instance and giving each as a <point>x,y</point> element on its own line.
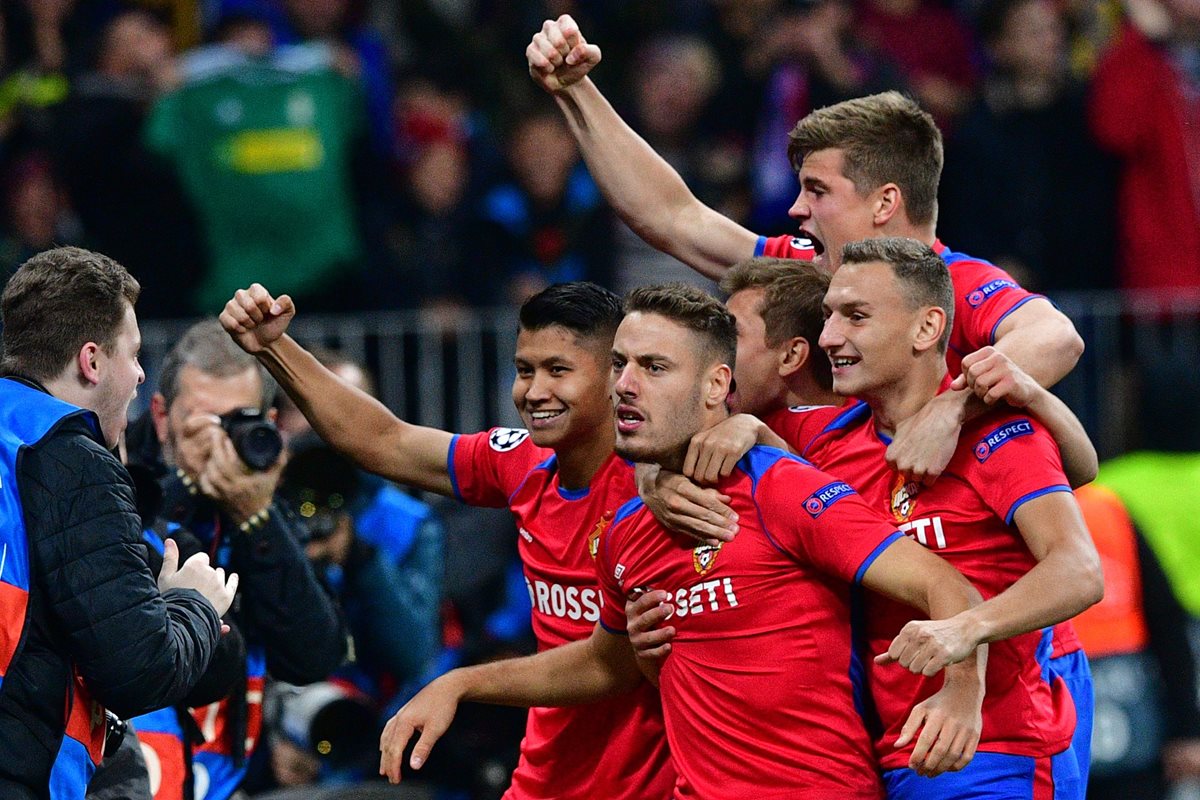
<point>646,192</point>
<point>347,418</point>
<point>578,672</point>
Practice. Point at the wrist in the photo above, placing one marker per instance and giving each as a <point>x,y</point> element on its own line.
<point>251,521</point>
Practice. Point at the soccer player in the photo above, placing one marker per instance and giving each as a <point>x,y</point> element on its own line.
<point>762,696</point>
<point>1002,513</point>
<point>868,167</point>
<point>559,477</point>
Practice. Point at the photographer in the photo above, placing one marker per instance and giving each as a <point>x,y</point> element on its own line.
<point>211,439</point>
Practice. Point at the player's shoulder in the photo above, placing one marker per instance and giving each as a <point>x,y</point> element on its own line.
<point>771,471</point>
<point>786,246</point>
<point>975,279</point>
<point>987,434</point>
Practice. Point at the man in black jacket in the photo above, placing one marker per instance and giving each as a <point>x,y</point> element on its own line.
<point>290,625</point>
<point>83,623</point>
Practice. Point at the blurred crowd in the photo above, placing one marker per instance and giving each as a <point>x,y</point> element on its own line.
<point>365,155</point>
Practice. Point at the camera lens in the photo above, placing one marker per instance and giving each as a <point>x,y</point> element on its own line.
<point>258,444</point>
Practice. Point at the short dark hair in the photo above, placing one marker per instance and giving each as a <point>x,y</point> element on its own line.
<point>793,292</point>
<point>207,347</point>
<point>584,308</point>
<point>922,274</point>
<point>695,310</point>
<point>58,301</point>
<point>885,138</point>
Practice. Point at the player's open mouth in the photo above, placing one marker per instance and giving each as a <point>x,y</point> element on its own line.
<point>817,245</point>
<point>840,363</point>
<point>629,419</point>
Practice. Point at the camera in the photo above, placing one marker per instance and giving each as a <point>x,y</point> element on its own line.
<point>331,721</point>
<point>255,438</point>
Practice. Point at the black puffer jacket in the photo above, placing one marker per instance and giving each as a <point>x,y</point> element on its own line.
<point>93,605</point>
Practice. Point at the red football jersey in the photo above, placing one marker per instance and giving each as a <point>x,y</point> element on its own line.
<point>615,748</point>
<point>1004,459</point>
<point>762,689</point>
<point>984,294</point>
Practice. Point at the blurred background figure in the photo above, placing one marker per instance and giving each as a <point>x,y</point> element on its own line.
<point>811,57</point>
<point>127,198</point>
<point>37,215</point>
<point>546,222</point>
<point>1023,185</point>
<point>264,140</point>
<point>1146,111</point>
<point>674,78</point>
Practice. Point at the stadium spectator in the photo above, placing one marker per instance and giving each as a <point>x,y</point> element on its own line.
<point>37,213</point>
<point>264,143</point>
<point>128,199</point>
<point>1146,111</point>
<point>1048,216</point>
<point>86,626</point>
<point>547,223</point>
<point>673,80</point>
<point>210,396</point>
<point>943,77</point>
<point>812,58</point>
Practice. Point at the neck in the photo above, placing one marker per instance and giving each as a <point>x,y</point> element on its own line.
<point>68,389</point>
<point>673,459</point>
<point>805,391</point>
<point>579,462</point>
<point>898,226</point>
<point>896,402</point>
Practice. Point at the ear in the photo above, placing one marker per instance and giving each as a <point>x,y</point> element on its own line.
<point>158,415</point>
<point>717,386</point>
<point>929,331</point>
<point>793,357</point>
<point>90,359</point>
<point>889,205</point>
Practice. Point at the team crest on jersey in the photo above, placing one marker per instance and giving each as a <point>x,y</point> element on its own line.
<point>504,439</point>
<point>1000,437</point>
<point>597,532</point>
<point>704,556</point>
<point>975,299</point>
<point>904,498</point>
<point>802,243</point>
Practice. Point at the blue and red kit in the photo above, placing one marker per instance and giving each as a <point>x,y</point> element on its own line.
<point>615,748</point>
<point>1004,460</point>
<point>762,692</point>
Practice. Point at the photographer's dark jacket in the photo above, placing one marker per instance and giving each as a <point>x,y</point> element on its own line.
<point>289,622</point>
<point>82,623</point>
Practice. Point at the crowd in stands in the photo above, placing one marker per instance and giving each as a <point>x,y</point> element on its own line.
<point>366,155</point>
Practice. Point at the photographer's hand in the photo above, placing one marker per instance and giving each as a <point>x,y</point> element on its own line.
<point>240,491</point>
<point>255,319</point>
